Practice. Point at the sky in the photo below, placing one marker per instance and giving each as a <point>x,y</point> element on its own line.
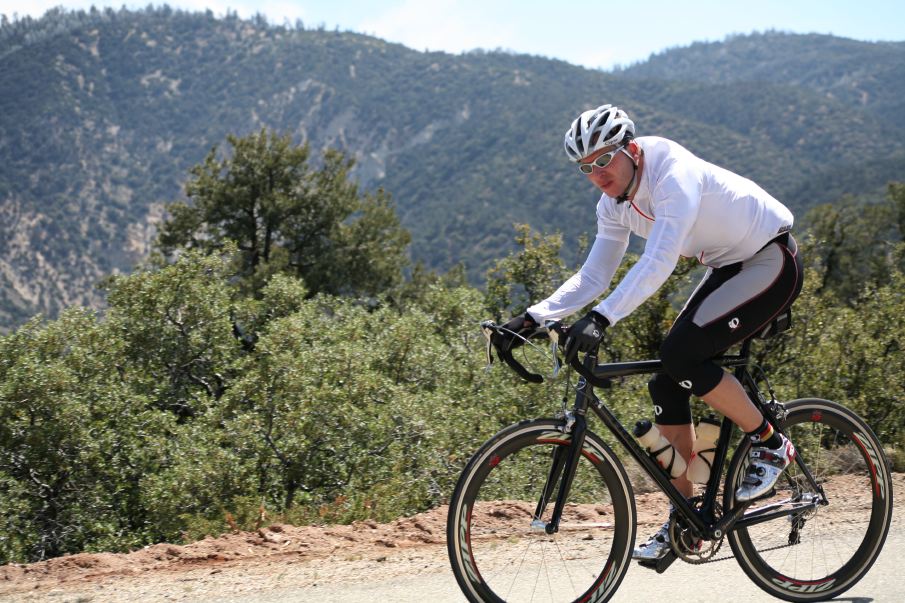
<point>592,34</point>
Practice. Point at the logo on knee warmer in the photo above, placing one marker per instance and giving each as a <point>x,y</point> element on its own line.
<point>734,323</point>
<point>686,384</point>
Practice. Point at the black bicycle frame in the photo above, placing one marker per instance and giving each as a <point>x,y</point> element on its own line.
<point>704,519</point>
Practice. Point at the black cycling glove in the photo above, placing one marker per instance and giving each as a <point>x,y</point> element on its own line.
<point>517,328</point>
<point>585,334</point>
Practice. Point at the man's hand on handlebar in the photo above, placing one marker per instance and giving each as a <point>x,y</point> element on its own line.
<point>585,335</point>
<point>505,338</point>
<point>514,333</point>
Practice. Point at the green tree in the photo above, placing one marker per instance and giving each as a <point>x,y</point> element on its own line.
<point>848,353</point>
<point>175,325</point>
<point>287,217</point>
<point>526,276</point>
<point>854,242</point>
<point>75,442</point>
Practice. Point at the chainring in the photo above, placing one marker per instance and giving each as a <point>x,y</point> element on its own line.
<point>686,544</point>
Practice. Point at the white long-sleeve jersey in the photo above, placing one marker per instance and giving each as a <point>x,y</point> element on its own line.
<point>684,206</point>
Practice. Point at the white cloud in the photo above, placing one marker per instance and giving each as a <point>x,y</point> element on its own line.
<point>441,25</point>
<point>594,60</point>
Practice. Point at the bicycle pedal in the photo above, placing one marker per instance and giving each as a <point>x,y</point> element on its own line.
<point>659,565</point>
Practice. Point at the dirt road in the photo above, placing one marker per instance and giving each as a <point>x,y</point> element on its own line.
<point>416,576</point>
<point>404,561</point>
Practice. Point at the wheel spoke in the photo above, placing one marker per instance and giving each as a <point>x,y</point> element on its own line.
<point>506,555</point>
<point>836,543</point>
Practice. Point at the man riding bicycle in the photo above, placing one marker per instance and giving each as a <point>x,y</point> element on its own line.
<point>683,206</point>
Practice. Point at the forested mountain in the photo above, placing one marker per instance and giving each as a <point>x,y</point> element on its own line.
<point>863,74</point>
<point>103,113</point>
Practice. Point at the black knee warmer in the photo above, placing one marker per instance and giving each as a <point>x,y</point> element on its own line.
<point>671,402</point>
<point>686,354</point>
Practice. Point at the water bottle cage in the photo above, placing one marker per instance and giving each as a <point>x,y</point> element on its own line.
<point>672,459</point>
<point>703,458</point>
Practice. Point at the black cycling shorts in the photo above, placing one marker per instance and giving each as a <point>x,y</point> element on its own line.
<point>731,304</point>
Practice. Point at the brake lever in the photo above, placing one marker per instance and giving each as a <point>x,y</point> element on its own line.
<point>554,330</point>
<point>488,327</point>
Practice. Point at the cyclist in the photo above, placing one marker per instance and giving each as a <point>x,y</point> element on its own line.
<point>683,206</point>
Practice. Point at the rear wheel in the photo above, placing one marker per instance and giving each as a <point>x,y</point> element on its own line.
<point>497,546</point>
<point>819,550</point>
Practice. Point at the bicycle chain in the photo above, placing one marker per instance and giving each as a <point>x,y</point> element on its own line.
<point>678,533</point>
<point>772,548</point>
<point>697,560</point>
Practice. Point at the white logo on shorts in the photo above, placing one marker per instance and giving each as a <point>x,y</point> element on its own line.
<point>686,384</point>
<point>733,324</point>
<point>658,410</point>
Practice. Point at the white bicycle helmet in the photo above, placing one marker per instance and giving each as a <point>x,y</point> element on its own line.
<point>595,129</point>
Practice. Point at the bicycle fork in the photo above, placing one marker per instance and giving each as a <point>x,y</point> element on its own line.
<point>562,470</point>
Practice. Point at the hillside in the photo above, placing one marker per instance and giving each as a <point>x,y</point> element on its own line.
<point>866,75</point>
<point>104,112</point>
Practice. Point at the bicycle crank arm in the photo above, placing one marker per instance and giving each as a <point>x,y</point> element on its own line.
<point>719,530</point>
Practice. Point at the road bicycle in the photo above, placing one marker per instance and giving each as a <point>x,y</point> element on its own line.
<point>544,510</point>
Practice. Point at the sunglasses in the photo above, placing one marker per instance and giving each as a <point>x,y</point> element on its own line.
<point>601,162</point>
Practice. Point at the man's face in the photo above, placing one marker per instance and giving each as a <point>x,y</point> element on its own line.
<point>616,176</point>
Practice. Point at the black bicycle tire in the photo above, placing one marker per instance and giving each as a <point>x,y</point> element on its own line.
<point>516,438</point>
<point>849,573</point>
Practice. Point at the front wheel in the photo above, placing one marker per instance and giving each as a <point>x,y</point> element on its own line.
<point>819,550</point>
<point>497,546</point>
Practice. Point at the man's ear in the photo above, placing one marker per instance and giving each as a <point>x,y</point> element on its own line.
<point>635,149</point>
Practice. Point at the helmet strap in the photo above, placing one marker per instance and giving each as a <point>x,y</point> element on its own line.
<point>634,183</point>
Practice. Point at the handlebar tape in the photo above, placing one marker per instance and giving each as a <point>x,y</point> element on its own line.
<point>506,356</point>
